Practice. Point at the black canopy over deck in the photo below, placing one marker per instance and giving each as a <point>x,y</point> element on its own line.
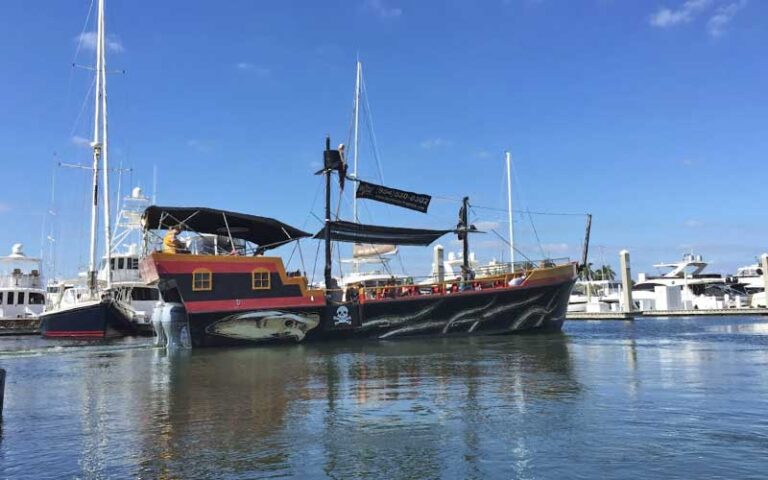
<point>264,232</point>
<point>342,231</point>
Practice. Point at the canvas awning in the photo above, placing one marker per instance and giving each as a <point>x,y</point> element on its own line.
<point>263,231</point>
<point>342,231</point>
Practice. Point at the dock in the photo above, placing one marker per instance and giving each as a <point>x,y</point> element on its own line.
<point>707,312</point>
<point>21,326</point>
<point>601,315</point>
<point>665,313</point>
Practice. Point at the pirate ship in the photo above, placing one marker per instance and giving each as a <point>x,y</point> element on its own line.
<point>228,291</point>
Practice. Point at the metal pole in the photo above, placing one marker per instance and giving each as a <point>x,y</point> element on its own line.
<point>328,278</point>
<point>509,214</point>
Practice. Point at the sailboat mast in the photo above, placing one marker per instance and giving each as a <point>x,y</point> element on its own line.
<point>105,150</point>
<point>465,275</point>
<point>356,141</point>
<point>96,145</point>
<point>509,213</point>
<point>327,272</point>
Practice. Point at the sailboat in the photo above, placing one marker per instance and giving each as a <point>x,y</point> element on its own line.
<point>93,312</point>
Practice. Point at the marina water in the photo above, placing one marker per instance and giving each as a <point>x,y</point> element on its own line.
<point>654,398</point>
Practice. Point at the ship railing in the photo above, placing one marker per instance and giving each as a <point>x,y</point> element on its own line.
<point>428,286</point>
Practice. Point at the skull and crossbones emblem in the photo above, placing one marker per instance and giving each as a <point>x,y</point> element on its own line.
<point>342,316</point>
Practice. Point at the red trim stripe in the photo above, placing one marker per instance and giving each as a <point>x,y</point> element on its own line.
<point>171,267</point>
<point>74,333</point>
<point>203,306</point>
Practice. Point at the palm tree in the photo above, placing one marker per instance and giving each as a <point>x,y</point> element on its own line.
<point>604,273</point>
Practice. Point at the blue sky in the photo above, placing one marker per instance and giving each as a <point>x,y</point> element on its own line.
<point>649,115</point>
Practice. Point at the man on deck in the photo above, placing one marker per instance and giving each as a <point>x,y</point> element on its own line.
<point>171,243</point>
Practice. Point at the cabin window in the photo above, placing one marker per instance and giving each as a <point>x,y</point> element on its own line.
<point>120,263</point>
<point>133,263</point>
<point>144,294</point>
<point>10,298</point>
<point>1,297</point>
<point>202,280</point>
<point>260,280</point>
<point>21,298</point>
<point>36,298</point>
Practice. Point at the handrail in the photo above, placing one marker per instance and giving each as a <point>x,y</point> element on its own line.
<point>454,285</point>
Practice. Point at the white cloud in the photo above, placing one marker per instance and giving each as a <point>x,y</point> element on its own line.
<point>693,223</point>
<point>198,146</point>
<point>436,142</point>
<point>81,141</point>
<point>88,41</point>
<point>483,155</point>
<point>688,162</point>
<point>486,225</point>
<point>259,70</point>
<point>382,9</point>
<point>667,17</point>
<point>718,23</point>
<point>558,248</point>
<point>4,207</point>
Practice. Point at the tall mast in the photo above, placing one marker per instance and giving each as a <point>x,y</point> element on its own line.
<point>105,149</point>
<point>509,213</point>
<point>464,220</point>
<point>356,141</point>
<point>96,145</point>
<point>328,170</point>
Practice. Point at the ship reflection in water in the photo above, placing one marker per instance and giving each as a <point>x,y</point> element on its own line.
<point>654,398</point>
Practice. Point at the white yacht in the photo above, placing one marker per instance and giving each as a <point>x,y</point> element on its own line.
<point>683,285</point>
<point>750,277</point>
<point>22,292</point>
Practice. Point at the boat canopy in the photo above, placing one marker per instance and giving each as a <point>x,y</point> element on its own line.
<point>262,231</point>
<point>342,231</point>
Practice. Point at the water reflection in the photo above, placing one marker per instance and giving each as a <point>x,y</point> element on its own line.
<point>362,410</point>
<point>650,397</point>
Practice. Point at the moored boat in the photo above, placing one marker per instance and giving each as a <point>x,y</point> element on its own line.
<point>22,296</point>
<point>93,311</point>
<point>227,292</point>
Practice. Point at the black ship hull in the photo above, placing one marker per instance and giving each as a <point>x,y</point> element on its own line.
<point>487,312</point>
<point>95,320</point>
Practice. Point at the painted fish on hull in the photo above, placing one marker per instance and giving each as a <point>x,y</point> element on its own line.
<point>265,326</point>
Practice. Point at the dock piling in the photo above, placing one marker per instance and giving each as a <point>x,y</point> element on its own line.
<point>626,282</point>
<point>764,262</point>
